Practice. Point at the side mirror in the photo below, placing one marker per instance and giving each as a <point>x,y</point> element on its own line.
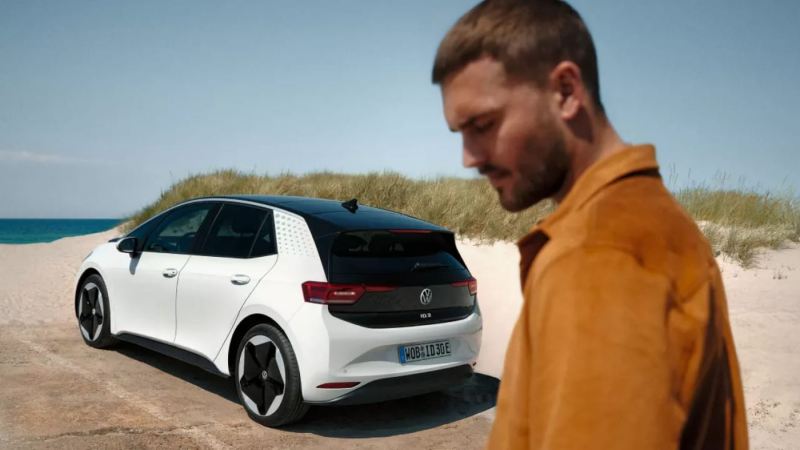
<point>128,245</point>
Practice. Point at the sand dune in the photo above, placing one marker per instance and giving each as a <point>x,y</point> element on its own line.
<point>36,288</point>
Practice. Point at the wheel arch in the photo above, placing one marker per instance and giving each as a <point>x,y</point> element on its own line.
<point>241,329</point>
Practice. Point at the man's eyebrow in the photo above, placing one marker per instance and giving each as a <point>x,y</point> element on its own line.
<point>466,123</point>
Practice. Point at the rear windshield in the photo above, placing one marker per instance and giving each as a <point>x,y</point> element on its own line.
<point>387,244</point>
<point>396,258</point>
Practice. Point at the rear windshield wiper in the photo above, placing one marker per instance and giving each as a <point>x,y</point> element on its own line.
<point>427,266</point>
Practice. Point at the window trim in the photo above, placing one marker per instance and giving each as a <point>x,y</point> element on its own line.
<point>205,228</point>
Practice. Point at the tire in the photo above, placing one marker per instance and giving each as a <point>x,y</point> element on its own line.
<point>267,377</point>
<point>93,313</point>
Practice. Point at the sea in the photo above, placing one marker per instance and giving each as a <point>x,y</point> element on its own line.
<point>29,231</point>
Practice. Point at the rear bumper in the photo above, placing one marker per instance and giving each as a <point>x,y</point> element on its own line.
<point>402,387</point>
<point>330,350</point>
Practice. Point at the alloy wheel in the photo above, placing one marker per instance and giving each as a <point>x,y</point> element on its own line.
<point>90,311</point>
<point>263,374</point>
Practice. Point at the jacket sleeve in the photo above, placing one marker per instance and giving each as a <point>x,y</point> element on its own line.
<point>601,374</point>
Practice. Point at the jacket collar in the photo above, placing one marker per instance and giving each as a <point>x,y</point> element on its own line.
<point>593,180</point>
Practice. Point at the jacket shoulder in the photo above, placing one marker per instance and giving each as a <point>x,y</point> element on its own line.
<point>639,216</point>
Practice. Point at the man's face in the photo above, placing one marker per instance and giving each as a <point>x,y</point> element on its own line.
<point>510,132</point>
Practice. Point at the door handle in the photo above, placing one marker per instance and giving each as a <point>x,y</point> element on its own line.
<point>240,279</point>
<point>169,273</point>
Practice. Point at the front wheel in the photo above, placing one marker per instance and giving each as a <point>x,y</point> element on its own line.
<point>93,313</point>
<point>267,377</point>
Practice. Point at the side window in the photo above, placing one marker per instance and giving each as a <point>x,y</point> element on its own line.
<point>176,233</point>
<point>142,231</point>
<point>265,242</point>
<point>234,231</point>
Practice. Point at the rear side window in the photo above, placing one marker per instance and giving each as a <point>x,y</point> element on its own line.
<point>234,231</point>
<point>265,242</point>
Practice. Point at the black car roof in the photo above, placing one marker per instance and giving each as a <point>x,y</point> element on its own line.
<point>327,216</point>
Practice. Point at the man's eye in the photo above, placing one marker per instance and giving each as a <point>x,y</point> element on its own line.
<point>481,127</point>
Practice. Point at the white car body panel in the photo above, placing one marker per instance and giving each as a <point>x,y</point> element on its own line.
<point>278,297</point>
<point>207,289</point>
<point>144,298</point>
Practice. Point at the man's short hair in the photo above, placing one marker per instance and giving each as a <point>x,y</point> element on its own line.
<point>529,37</point>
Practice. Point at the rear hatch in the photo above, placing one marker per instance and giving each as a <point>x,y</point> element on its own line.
<point>399,278</point>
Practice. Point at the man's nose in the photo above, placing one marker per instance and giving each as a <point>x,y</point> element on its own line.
<point>472,156</point>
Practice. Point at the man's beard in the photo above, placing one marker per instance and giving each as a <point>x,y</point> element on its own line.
<point>535,181</point>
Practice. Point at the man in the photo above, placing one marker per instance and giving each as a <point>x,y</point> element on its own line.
<point>623,340</point>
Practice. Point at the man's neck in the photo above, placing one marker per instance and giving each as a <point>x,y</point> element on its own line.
<point>585,153</point>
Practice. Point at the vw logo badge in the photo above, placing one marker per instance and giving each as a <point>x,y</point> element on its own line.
<point>425,296</point>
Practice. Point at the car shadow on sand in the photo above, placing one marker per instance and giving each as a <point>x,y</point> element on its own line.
<point>389,418</point>
<point>207,381</point>
<point>402,416</point>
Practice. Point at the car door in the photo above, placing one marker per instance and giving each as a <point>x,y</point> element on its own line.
<point>144,299</point>
<point>238,251</point>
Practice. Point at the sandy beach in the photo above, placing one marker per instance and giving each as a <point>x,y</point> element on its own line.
<point>130,397</point>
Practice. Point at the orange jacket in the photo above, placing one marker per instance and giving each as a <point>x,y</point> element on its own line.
<point>623,341</point>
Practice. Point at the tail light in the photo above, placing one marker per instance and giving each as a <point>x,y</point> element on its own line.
<point>471,283</point>
<point>338,294</point>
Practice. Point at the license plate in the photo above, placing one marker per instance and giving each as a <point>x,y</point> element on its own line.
<point>419,352</point>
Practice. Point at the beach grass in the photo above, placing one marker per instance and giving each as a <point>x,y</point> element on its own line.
<point>736,222</point>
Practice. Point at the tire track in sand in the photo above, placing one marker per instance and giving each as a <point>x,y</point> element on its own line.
<point>197,434</point>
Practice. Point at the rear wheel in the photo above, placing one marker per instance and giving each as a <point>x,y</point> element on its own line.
<point>93,313</point>
<point>267,377</point>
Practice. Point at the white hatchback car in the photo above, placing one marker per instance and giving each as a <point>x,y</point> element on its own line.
<point>303,301</point>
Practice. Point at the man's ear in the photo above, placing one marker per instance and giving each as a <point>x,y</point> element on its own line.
<point>566,85</point>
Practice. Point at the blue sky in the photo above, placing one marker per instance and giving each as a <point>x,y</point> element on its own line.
<point>104,103</point>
